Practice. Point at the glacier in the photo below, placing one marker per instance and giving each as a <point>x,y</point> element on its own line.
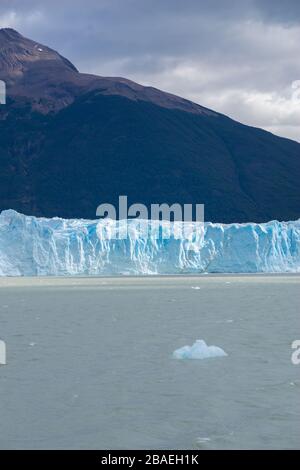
<point>199,350</point>
<point>31,246</point>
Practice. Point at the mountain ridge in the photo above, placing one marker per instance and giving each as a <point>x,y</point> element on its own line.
<point>36,68</point>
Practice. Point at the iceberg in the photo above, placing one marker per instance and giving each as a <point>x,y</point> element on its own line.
<point>199,350</point>
<point>2,353</point>
<point>31,246</point>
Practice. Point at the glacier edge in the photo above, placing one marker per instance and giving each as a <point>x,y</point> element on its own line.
<point>31,246</point>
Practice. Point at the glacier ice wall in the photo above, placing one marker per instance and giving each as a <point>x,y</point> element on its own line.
<point>32,246</point>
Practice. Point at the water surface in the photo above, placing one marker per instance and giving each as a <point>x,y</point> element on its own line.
<point>90,363</point>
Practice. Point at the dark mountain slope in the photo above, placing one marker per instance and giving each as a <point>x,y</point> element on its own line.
<point>105,144</point>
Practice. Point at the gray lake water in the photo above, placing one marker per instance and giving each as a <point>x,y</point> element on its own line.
<point>89,363</point>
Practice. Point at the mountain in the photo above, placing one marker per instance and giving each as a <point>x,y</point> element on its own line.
<point>51,82</point>
<point>71,141</point>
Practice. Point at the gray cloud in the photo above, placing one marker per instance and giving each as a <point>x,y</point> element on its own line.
<point>239,58</point>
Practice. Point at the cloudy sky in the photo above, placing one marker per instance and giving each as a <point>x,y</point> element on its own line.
<point>239,57</point>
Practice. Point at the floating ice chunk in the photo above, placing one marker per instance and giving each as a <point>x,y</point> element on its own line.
<point>2,353</point>
<point>202,440</point>
<point>199,350</point>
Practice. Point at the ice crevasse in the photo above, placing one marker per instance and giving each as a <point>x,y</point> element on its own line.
<point>32,246</point>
